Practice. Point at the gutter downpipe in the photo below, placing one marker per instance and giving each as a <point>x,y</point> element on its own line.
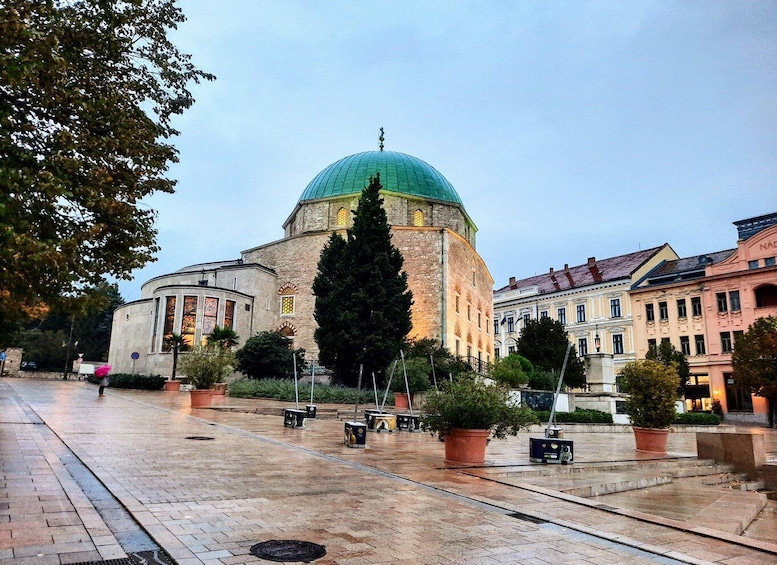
<point>444,293</point>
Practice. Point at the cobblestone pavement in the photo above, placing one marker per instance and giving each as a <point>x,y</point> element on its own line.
<point>209,500</point>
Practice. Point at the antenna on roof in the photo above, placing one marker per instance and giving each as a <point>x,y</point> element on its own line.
<point>381,138</point>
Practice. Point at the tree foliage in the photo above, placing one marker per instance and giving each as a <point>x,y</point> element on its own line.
<point>666,353</point>
<point>513,370</point>
<point>754,361</point>
<point>223,337</point>
<point>267,356</point>
<point>176,343</point>
<point>544,343</point>
<point>419,375</point>
<point>362,300</point>
<point>87,94</point>
<point>90,316</point>
<point>446,364</point>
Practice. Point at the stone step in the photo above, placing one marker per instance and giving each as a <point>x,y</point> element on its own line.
<point>733,512</point>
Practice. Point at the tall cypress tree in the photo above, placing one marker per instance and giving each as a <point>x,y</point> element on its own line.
<point>362,300</point>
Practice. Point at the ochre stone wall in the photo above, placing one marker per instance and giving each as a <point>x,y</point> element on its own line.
<point>469,279</point>
<point>430,255</point>
<point>321,215</point>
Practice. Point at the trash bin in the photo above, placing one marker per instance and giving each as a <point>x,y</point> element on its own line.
<point>310,409</point>
<point>408,422</point>
<point>551,450</point>
<point>294,418</point>
<point>381,422</point>
<point>355,434</point>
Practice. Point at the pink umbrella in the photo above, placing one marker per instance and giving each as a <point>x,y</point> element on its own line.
<point>102,371</point>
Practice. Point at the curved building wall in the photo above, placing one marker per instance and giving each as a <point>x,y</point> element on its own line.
<point>323,215</point>
<point>178,303</point>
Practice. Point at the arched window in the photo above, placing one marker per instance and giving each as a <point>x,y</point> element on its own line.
<point>288,331</point>
<point>418,218</point>
<point>342,217</point>
<point>287,294</point>
<point>765,296</point>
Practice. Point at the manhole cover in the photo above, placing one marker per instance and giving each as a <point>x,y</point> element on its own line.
<point>287,550</point>
<point>199,438</point>
<point>528,518</point>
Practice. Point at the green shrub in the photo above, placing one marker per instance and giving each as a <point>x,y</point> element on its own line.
<point>468,403</point>
<point>652,389</point>
<point>543,380</point>
<point>579,416</point>
<point>283,389</point>
<point>513,370</point>
<point>418,376</point>
<point>698,419</point>
<point>126,380</point>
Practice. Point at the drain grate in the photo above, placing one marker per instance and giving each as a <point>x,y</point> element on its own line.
<point>527,518</point>
<point>199,438</point>
<point>122,561</point>
<point>287,550</point>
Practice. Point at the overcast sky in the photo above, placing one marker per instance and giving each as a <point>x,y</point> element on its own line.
<point>569,129</point>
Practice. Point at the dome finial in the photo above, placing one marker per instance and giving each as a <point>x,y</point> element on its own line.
<point>381,138</point>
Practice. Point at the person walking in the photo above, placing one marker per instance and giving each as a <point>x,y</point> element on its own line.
<point>102,377</point>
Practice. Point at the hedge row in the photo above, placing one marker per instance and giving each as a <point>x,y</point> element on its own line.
<point>125,380</point>
<point>579,416</point>
<point>698,419</point>
<point>283,389</point>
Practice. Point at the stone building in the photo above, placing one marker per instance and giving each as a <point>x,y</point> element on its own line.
<point>269,286</point>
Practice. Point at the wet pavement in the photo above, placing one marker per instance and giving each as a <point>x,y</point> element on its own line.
<point>89,479</point>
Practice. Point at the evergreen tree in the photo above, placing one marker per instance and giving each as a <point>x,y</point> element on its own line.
<point>544,343</point>
<point>362,300</point>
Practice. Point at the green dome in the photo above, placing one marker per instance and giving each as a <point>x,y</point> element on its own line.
<point>399,173</point>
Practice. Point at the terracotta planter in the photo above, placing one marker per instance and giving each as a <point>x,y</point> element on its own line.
<point>419,399</point>
<point>401,400</point>
<point>200,398</point>
<point>219,389</point>
<point>466,446</point>
<point>651,439</point>
<point>172,385</point>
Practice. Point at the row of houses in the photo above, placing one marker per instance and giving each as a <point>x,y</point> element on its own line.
<point>624,305</point>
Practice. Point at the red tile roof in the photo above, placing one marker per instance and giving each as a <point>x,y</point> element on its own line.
<point>593,272</point>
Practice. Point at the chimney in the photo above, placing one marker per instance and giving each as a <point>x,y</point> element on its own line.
<point>566,266</point>
<point>594,269</point>
<point>569,276</point>
<point>512,282</point>
<point>551,271</point>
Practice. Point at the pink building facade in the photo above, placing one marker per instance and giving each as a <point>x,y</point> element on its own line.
<point>737,291</point>
<point>702,304</point>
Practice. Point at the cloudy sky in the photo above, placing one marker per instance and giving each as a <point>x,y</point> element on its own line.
<point>570,129</point>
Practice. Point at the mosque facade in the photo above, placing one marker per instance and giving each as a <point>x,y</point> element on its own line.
<point>269,287</point>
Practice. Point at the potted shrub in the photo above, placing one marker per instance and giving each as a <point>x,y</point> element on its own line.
<point>205,366</point>
<point>466,411</point>
<point>418,381</point>
<point>652,389</point>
